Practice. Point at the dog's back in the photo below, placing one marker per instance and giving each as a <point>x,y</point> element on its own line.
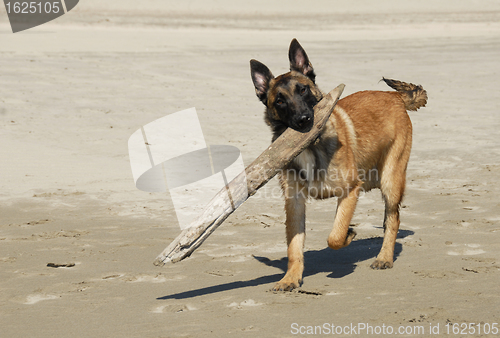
<point>378,119</point>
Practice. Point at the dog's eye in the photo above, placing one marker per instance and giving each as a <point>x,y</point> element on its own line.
<point>280,102</point>
<point>303,90</point>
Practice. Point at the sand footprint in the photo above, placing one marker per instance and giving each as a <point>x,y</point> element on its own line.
<point>159,278</point>
<point>33,299</point>
<point>466,250</point>
<point>245,303</point>
<point>147,279</point>
<point>176,308</point>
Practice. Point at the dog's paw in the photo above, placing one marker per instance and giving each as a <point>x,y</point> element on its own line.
<point>381,265</point>
<point>350,236</point>
<point>286,284</point>
<point>336,244</point>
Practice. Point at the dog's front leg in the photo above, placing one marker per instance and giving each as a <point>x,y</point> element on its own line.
<point>295,207</point>
<point>341,236</point>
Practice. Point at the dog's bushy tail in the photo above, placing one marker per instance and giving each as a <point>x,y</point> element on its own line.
<point>414,96</point>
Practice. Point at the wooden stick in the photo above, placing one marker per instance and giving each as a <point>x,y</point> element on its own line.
<point>281,152</point>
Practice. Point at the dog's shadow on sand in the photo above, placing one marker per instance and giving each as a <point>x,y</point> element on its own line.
<point>338,263</point>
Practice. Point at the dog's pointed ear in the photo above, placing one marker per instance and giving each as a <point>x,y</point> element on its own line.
<point>299,60</point>
<point>261,75</point>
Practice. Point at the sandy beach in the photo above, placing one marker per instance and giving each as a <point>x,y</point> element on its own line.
<point>78,239</point>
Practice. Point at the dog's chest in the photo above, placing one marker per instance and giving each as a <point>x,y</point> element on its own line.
<point>315,162</point>
<point>318,167</point>
<point>305,164</point>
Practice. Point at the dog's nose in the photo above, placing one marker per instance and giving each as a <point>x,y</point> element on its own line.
<point>303,120</point>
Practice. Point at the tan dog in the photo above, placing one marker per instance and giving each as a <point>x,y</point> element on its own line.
<point>365,144</point>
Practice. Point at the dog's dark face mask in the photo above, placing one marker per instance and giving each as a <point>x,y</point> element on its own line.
<point>290,98</point>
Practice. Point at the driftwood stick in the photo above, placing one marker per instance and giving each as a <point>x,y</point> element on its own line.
<point>281,152</point>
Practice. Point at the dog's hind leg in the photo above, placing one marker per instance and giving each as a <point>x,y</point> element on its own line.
<point>295,207</point>
<point>393,179</point>
<point>392,200</point>
<point>341,236</point>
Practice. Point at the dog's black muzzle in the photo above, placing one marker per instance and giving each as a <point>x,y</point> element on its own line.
<point>304,123</point>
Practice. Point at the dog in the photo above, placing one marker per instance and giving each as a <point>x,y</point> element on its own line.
<point>365,144</point>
